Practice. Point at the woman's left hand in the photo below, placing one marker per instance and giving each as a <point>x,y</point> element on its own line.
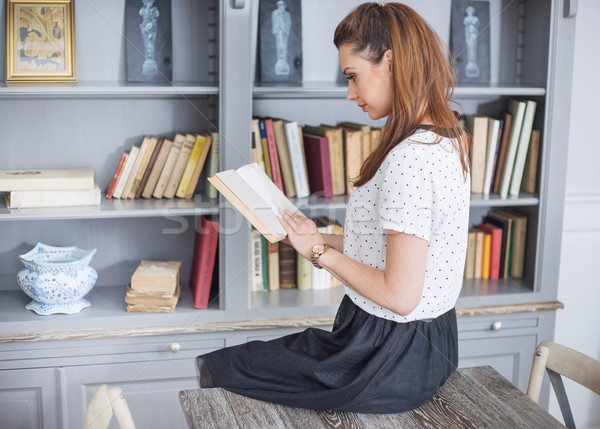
<point>302,232</point>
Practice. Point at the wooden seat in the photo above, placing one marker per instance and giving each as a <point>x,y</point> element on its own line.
<point>560,360</point>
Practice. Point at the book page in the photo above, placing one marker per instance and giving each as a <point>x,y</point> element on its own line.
<point>269,192</point>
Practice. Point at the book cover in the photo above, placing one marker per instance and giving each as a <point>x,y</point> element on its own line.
<point>113,183</point>
<point>492,144</point>
<point>191,189</point>
<point>152,141</point>
<point>280,41</point>
<point>190,167</point>
<point>528,183</point>
<point>284,159</point>
<point>46,180</point>
<point>151,163</point>
<point>336,154</point>
<point>212,165</point>
<point>318,163</point>
<point>256,197</point>
<point>57,198</point>
<point>517,109</point>
<point>149,47</point>
<point>507,117</point>
<point>287,266</point>
<point>157,168</point>
<point>136,167</point>
<point>470,41</point>
<point>478,129</point>
<point>495,248</point>
<point>273,155</point>
<point>203,263</point>
<point>133,153</point>
<point>297,159</point>
<point>522,149</point>
<point>156,276</point>
<point>180,164</point>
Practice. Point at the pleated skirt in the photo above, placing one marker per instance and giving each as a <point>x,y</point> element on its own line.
<point>365,364</point>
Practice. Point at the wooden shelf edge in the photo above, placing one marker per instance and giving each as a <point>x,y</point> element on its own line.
<point>245,325</point>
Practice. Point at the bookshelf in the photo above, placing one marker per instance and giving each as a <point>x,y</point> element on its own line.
<point>94,122</point>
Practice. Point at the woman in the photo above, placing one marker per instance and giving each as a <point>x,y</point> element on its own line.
<point>401,259</point>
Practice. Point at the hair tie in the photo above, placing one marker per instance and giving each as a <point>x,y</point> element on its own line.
<point>381,3</point>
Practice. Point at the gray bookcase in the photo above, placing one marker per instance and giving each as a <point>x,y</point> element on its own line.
<point>51,365</point>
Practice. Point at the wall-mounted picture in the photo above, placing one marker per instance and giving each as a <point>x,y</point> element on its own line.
<point>148,38</point>
<point>40,41</point>
<point>470,41</point>
<point>280,41</point>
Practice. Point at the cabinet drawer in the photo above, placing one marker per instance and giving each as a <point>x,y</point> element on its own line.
<point>496,325</point>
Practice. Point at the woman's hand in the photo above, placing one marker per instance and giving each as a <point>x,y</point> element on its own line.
<point>302,232</point>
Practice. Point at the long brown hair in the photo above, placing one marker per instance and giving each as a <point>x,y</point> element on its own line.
<point>422,78</point>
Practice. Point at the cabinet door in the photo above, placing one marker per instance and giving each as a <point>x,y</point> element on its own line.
<point>28,399</point>
<point>151,390</point>
<point>510,356</point>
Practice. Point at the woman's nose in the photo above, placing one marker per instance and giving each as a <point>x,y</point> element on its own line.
<point>351,93</point>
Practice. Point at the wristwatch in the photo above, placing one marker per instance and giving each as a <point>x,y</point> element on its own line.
<point>316,252</point>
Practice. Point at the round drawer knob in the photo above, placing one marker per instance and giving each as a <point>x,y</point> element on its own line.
<point>174,347</point>
<point>496,326</point>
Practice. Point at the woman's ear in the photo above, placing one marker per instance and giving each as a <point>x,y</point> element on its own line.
<point>387,57</point>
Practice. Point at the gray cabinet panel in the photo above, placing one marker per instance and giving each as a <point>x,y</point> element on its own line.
<point>28,399</point>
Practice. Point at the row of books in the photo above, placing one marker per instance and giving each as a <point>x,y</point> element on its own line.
<point>278,265</point>
<point>165,168</point>
<point>496,247</point>
<point>504,151</point>
<point>312,159</point>
<point>49,188</point>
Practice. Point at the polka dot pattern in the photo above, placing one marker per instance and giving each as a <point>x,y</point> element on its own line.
<point>419,190</point>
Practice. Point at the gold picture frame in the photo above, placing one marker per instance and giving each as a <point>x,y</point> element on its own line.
<point>40,41</point>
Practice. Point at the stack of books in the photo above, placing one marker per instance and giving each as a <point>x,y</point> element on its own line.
<point>165,168</point>
<point>154,287</point>
<point>49,188</point>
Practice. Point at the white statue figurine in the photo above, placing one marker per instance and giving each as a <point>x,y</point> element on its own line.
<point>281,23</point>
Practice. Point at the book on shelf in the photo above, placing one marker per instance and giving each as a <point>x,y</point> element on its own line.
<point>134,297</point>
<point>46,180</point>
<point>303,272</point>
<point>180,164</point>
<point>136,166</point>
<point>156,276</point>
<point>491,153</point>
<point>318,163</point>
<point>519,236</point>
<point>273,155</point>
<point>528,183</point>
<point>212,165</point>
<point>283,155</point>
<point>297,158</point>
<point>517,109</point>
<point>287,266</point>
<point>478,253</point>
<point>478,129</point>
<point>258,143</point>
<point>485,254</point>
<point>151,163</point>
<point>522,148</point>
<point>191,187</point>
<point>265,148</point>
<point>335,139</point>
<point>353,157</point>
<point>53,198</point>
<point>256,272</point>
<point>256,197</point>
<point>190,166</point>
<point>150,308</point>
<point>495,248</point>
<point>126,173</point>
<point>273,265</point>
<point>157,168</point>
<point>366,137</point>
<point>110,188</point>
<point>137,181</point>
<point>375,138</point>
<point>470,259</point>
<point>165,174</point>
<point>327,225</point>
<point>505,224</point>
<point>265,261</point>
<point>499,164</point>
<point>203,263</point>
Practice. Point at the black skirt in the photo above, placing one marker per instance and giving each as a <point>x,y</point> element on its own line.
<point>365,364</point>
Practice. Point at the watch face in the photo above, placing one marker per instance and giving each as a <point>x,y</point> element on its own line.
<point>318,248</point>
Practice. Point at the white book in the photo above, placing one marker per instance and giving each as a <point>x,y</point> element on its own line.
<point>256,275</point>
<point>493,136</point>
<point>517,109</point>
<point>138,162</point>
<point>256,197</point>
<point>46,180</point>
<point>120,187</point>
<point>297,159</point>
<point>53,198</point>
<point>521,156</point>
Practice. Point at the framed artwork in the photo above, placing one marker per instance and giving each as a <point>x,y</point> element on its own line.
<point>40,41</point>
<point>280,41</point>
<point>149,46</point>
<point>470,41</point>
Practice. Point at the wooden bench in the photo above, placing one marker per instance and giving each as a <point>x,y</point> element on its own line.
<point>472,398</point>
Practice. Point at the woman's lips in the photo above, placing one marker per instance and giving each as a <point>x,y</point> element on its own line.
<point>363,107</point>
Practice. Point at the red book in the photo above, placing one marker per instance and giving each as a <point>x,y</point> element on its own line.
<point>113,183</point>
<point>273,157</point>
<point>316,149</point>
<point>496,248</point>
<point>203,262</point>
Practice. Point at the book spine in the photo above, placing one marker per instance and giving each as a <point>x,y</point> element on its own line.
<point>180,164</point>
<point>492,142</point>
<point>213,166</point>
<point>61,198</point>
<point>143,166</point>
<point>272,145</point>
<point>284,159</point>
<point>190,167</point>
<point>256,270</point>
<point>149,168</point>
<point>265,147</point>
<point>208,237</point>
<point>133,153</point>
<point>326,168</point>
<point>524,138</point>
<point>273,264</point>
<point>157,168</point>
<point>191,189</point>
<point>113,183</point>
<point>136,167</point>
<point>287,266</point>
<point>502,152</point>
<point>258,144</point>
<point>297,160</point>
<point>517,109</point>
<point>167,170</point>
<point>303,272</point>
<point>528,184</point>
<point>336,155</point>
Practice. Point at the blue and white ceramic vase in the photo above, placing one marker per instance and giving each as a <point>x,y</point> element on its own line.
<point>57,278</point>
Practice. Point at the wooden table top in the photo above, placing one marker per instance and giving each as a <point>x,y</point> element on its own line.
<point>471,398</point>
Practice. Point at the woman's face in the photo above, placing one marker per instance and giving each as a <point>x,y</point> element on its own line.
<point>369,85</point>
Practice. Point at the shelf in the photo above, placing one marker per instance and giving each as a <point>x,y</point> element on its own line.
<point>338,90</point>
<point>294,303</point>
<point>107,89</point>
<point>495,200</point>
<point>107,313</point>
<point>112,208</point>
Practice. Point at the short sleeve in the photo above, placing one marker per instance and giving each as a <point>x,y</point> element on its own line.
<point>406,192</point>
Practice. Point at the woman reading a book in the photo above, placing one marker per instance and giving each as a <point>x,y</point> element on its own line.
<point>401,259</point>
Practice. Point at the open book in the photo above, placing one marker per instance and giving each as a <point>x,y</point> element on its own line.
<point>256,197</point>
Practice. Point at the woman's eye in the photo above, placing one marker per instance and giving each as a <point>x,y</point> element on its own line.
<point>351,77</point>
